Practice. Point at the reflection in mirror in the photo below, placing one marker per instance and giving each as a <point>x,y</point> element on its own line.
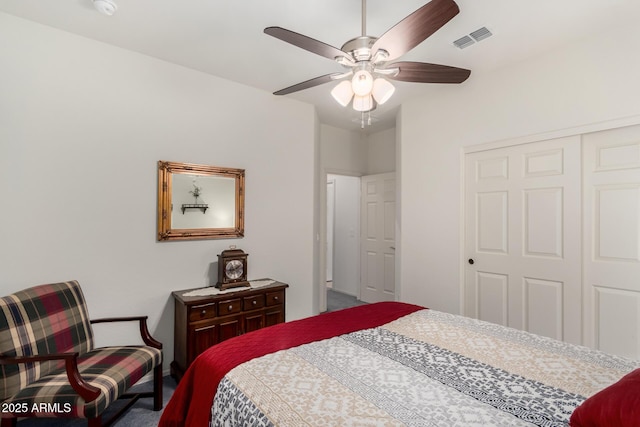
<point>199,202</point>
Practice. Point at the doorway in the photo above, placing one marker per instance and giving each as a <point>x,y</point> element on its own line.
<point>343,241</point>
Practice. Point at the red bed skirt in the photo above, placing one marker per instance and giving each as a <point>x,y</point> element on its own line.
<point>191,403</point>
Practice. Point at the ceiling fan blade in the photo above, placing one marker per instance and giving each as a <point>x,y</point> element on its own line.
<point>421,72</point>
<point>306,43</point>
<point>309,83</point>
<point>415,28</point>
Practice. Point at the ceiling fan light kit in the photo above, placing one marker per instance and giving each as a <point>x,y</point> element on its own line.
<point>382,90</point>
<point>362,83</point>
<point>343,93</point>
<point>363,103</point>
<point>367,58</point>
<point>106,7</point>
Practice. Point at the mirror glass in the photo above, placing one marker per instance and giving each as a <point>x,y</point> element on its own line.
<point>199,202</point>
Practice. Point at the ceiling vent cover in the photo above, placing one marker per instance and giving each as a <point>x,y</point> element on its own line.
<point>463,42</point>
<point>481,34</point>
<point>471,38</point>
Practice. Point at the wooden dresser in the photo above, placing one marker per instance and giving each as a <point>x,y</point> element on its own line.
<point>203,321</point>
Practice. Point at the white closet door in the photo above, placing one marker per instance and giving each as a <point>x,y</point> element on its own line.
<point>523,237</point>
<point>612,240</point>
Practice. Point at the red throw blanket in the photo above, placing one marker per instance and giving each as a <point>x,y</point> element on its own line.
<point>190,405</point>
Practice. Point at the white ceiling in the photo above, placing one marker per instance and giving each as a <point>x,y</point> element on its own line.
<point>225,37</point>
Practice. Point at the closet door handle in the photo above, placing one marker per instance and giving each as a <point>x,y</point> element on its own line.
<point>471,261</point>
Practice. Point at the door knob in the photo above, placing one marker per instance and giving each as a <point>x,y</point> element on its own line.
<point>471,261</point>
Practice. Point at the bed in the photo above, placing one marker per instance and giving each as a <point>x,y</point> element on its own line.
<point>401,364</point>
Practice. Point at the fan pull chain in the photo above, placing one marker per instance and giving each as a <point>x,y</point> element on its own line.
<point>362,119</point>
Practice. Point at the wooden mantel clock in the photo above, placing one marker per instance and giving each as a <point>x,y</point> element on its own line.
<point>232,269</point>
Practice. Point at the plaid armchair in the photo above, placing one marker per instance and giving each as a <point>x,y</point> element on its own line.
<point>49,366</point>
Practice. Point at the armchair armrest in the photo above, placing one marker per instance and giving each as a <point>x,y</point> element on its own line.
<point>144,330</point>
<point>83,388</point>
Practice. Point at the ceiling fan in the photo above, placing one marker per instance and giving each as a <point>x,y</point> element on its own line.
<point>367,59</point>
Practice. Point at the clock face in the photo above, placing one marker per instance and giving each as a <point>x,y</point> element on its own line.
<point>234,269</point>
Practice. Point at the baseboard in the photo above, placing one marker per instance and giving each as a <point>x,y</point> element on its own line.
<point>149,377</point>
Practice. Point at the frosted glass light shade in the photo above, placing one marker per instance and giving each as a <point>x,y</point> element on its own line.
<point>362,103</point>
<point>342,93</point>
<point>382,90</point>
<point>362,83</point>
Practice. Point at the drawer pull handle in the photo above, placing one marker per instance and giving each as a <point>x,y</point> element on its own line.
<point>203,312</point>
<point>254,302</point>
<point>275,298</point>
<point>230,307</point>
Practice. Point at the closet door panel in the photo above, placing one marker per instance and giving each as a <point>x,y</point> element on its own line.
<point>523,237</point>
<point>612,240</point>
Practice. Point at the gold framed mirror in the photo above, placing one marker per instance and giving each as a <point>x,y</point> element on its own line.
<point>199,202</point>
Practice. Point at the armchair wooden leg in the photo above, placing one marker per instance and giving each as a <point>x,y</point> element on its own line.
<point>8,422</point>
<point>157,388</point>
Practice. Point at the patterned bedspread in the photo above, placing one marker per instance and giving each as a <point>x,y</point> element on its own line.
<point>425,369</point>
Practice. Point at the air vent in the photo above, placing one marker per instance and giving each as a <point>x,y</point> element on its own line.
<point>481,34</point>
<point>475,36</point>
<point>463,42</point>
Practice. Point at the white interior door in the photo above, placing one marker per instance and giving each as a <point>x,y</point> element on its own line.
<point>523,237</point>
<point>612,244</point>
<point>377,261</point>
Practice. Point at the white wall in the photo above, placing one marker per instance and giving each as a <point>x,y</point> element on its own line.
<point>381,152</point>
<point>82,126</point>
<point>342,151</point>
<point>355,153</point>
<point>591,81</point>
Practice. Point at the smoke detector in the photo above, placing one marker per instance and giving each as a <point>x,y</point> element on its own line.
<point>106,7</point>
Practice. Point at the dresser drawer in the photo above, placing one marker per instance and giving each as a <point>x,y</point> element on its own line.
<point>275,298</point>
<point>252,302</point>
<point>229,306</point>
<point>202,311</point>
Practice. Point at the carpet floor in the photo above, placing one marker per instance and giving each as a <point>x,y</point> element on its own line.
<point>338,300</point>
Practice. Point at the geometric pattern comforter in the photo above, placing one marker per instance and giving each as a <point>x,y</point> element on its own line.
<point>424,369</point>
